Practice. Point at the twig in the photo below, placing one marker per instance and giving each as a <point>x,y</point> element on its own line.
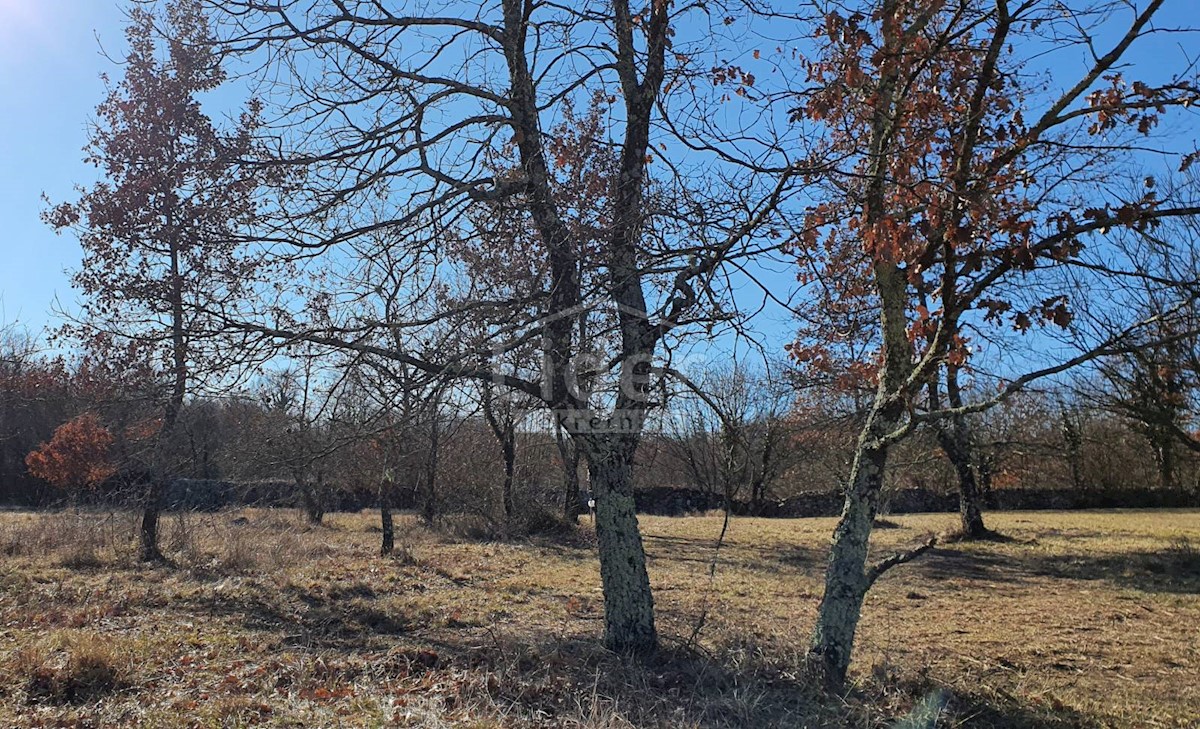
<point>712,575</point>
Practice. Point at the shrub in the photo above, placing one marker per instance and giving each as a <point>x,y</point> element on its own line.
<point>73,667</point>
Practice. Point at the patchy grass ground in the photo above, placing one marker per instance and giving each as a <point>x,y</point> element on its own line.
<point>1078,619</point>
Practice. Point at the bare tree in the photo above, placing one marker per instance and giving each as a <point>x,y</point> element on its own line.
<point>299,439</point>
<point>731,434</point>
<point>400,133</point>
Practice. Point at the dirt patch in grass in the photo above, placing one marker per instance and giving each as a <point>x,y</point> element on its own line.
<point>1077,619</point>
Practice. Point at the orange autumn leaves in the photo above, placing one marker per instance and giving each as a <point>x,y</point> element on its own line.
<point>80,453</point>
<point>78,456</point>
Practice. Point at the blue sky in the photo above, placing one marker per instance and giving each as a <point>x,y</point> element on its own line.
<point>50,61</point>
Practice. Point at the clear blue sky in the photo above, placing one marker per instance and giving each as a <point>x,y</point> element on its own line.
<point>50,61</point>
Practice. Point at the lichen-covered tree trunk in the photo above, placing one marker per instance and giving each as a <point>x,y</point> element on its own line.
<point>846,581</point>
<point>628,603</point>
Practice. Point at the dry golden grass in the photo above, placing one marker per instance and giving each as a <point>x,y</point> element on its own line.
<point>1077,619</point>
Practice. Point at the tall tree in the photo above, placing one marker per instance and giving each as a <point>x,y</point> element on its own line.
<point>957,180</point>
<point>159,231</point>
<point>414,110</point>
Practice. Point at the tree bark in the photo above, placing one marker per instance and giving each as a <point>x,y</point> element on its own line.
<point>148,550</point>
<point>568,453</point>
<point>956,445</point>
<point>429,509</point>
<point>846,580</point>
<point>510,457</point>
<point>954,438</point>
<point>628,603</point>
<point>387,524</point>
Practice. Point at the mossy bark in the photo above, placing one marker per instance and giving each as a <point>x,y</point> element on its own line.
<point>628,603</point>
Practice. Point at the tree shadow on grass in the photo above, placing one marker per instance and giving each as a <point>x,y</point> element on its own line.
<point>771,558</point>
<point>561,679</point>
<point>1175,569</point>
<point>527,674</point>
<point>307,618</point>
<point>678,687</point>
<point>937,706</point>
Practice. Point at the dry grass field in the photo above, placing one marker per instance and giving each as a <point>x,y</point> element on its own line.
<point>1076,619</point>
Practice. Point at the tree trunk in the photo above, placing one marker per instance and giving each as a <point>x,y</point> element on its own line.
<point>504,430</point>
<point>314,508</point>
<point>389,530</point>
<point>429,509</point>
<point>955,443</point>
<point>628,603</point>
<point>148,550</point>
<point>510,457</point>
<point>386,523</point>
<point>1164,457</point>
<point>568,452</point>
<point>954,438</point>
<point>846,580</point>
<point>160,478</point>
<point>571,506</point>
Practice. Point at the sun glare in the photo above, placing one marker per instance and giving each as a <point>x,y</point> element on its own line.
<point>17,19</point>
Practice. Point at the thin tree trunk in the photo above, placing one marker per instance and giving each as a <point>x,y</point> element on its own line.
<point>510,457</point>
<point>504,431</point>
<point>157,489</point>
<point>568,453</point>
<point>954,438</point>
<point>387,524</point>
<point>389,531</point>
<point>148,550</point>
<point>628,603</point>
